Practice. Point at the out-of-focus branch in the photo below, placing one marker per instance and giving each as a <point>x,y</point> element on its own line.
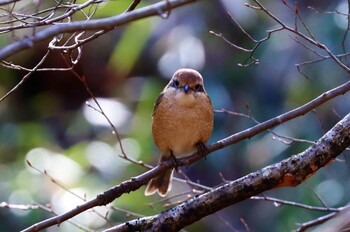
<point>91,25</point>
<point>48,19</point>
<point>280,202</point>
<point>26,76</point>
<point>136,182</point>
<point>308,36</point>
<point>37,206</point>
<point>282,118</point>
<point>133,5</point>
<point>289,172</point>
<point>340,225</point>
<point>310,39</point>
<point>5,2</point>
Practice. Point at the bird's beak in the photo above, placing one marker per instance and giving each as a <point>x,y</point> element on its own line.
<point>186,88</point>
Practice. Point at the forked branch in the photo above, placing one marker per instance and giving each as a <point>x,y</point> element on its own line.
<point>135,183</point>
<point>91,25</point>
<point>289,172</point>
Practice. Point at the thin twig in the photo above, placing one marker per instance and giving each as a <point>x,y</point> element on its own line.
<point>306,38</point>
<point>133,5</point>
<point>326,96</point>
<point>53,180</point>
<point>92,25</point>
<point>304,226</point>
<point>291,171</point>
<point>25,77</point>
<point>136,182</point>
<point>295,204</point>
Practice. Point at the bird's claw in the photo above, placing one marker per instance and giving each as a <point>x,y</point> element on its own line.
<point>174,161</point>
<point>202,149</point>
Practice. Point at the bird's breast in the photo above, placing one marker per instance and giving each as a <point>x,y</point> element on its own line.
<point>180,121</point>
<point>184,100</point>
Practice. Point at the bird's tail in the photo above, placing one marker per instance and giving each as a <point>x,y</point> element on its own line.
<point>161,184</point>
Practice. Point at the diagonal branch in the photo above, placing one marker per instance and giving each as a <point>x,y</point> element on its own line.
<point>342,89</point>
<point>37,66</point>
<point>135,183</point>
<point>293,171</point>
<point>343,213</point>
<point>91,25</point>
<point>305,37</point>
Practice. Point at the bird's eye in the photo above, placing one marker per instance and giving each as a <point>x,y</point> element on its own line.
<point>176,83</point>
<point>198,88</point>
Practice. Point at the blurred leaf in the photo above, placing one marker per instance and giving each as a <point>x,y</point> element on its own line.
<point>141,127</point>
<point>130,46</point>
<point>33,135</point>
<point>77,153</point>
<point>111,8</point>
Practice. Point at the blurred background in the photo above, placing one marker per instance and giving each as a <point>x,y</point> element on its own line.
<point>73,154</point>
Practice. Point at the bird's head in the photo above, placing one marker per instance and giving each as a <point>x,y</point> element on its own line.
<point>187,80</point>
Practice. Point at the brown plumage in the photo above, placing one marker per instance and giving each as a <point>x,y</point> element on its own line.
<point>182,118</point>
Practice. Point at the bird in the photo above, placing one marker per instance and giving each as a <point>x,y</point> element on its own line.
<point>182,123</point>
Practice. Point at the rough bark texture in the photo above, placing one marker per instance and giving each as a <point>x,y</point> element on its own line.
<point>289,172</point>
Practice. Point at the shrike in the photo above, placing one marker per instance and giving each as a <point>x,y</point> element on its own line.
<point>182,122</point>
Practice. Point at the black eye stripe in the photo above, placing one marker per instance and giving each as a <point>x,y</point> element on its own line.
<point>199,88</point>
<point>175,83</point>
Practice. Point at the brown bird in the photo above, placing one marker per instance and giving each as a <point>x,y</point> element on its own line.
<point>182,122</point>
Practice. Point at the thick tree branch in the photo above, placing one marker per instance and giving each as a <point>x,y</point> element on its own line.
<point>91,25</point>
<point>290,172</point>
<point>135,183</point>
<point>326,96</point>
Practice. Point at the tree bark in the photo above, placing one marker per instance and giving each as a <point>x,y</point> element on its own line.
<point>288,172</point>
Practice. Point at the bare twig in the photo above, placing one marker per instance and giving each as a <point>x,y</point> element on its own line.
<point>245,224</point>
<point>317,196</point>
<point>232,44</point>
<point>91,25</point>
<point>35,206</point>
<point>99,109</point>
<point>291,171</point>
<point>101,26</point>
<point>44,21</point>
<point>250,51</point>
<point>283,118</point>
<point>295,204</point>
<point>309,37</point>
<point>136,182</point>
<point>53,180</point>
<point>19,206</point>
<point>285,139</point>
<point>346,32</point>
<point>133,5</point>
<point>320,220</point>
<point>301,35</point>
<point>5,2</point>
<point>328,12</point>
<point>226,223</point>
<point>25,77</point>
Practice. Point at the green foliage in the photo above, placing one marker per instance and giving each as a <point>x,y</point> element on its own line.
<point>130,46</point>
<point>45,121</point>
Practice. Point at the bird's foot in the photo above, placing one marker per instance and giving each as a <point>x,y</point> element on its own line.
<point>202,149</point>
<point>174,161</point>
